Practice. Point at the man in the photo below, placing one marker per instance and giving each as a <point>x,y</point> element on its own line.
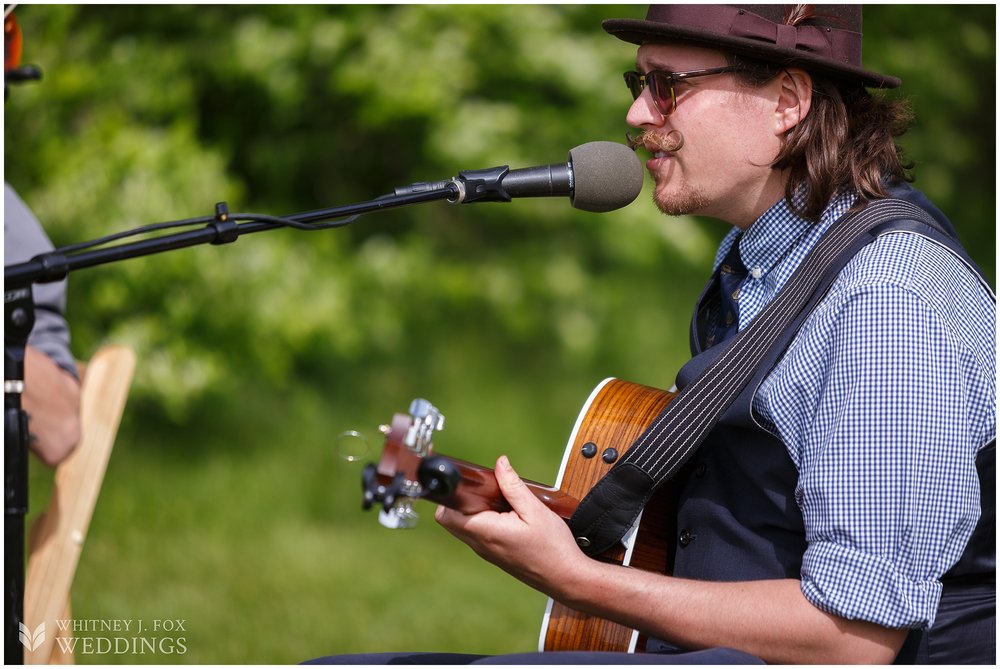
<point>830,515</point>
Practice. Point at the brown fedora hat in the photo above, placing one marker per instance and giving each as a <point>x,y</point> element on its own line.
<point>827,43</point>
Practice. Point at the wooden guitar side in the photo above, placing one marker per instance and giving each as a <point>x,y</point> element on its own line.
<point>614,417</point>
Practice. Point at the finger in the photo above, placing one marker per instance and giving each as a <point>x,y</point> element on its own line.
<point>448,518</point>
<point>456,521</point>
<point>514,490</point>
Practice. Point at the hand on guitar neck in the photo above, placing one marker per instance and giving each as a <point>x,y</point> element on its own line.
<point>516,539</point>
<point>478,501</point>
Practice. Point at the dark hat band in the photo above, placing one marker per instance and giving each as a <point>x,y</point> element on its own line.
<point>843,46</point>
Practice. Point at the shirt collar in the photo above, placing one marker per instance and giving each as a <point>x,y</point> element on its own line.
<point>772,236</point>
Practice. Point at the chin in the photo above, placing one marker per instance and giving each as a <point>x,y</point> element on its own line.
<point>682,203</point>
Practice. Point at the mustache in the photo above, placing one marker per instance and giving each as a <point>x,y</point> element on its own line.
<point>653,141</point>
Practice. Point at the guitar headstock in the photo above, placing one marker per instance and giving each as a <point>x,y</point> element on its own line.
<point>407,469</point>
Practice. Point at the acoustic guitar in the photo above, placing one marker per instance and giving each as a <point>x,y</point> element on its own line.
<point>614,416</point>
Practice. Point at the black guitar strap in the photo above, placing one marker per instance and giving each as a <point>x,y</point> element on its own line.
<point>611,507</point>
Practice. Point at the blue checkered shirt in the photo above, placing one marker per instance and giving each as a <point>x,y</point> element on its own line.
<point>882,400</point>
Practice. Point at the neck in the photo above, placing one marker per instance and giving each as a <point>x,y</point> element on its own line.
<point>755,202</point>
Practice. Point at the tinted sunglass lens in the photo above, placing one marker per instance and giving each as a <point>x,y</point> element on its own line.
<point>634,82</point>
<point>661,91</point>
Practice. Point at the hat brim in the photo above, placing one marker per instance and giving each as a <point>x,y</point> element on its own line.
<point>639,31</point>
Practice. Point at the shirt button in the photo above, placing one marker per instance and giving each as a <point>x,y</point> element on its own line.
<point>699,471</point>
<point>756,272</point>
<point>685,538</point>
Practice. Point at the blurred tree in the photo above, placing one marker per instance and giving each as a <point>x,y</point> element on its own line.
<point>946,57</point>
<point>149,113</point>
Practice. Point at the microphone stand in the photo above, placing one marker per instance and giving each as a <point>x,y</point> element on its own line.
<point>19,318</point>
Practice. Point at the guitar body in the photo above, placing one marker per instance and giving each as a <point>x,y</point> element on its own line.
<point>615,415</point>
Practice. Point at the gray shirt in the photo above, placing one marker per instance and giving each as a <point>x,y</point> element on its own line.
<point>23,239</point>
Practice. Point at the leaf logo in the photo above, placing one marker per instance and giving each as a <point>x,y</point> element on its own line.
<point>31,640</point>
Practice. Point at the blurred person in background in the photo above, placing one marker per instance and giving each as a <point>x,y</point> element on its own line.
<point>51,396</point>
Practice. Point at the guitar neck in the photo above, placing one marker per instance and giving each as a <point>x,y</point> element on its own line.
<point>479,491</point>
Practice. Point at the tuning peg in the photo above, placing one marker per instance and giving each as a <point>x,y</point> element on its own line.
<point>373,491</point>
<point>426,419</point>
<point>369,487</point>
<point>389,493</point>
<point>439,476</point>
<point>400,517</point>
<point>423,411</point>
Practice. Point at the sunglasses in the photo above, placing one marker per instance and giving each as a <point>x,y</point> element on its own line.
<point>661,84</point>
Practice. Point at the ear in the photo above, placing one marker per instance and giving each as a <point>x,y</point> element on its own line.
<point>794,99</point>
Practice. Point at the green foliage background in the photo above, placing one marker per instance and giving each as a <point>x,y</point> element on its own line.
<point>226,503</point>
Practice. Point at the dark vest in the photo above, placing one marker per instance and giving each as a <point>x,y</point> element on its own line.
<point>738,520</point>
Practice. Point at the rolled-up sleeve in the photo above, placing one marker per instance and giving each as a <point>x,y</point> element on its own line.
<point>885,433</point>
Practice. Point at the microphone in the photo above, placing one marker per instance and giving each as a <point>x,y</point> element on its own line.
<point>598,177</point>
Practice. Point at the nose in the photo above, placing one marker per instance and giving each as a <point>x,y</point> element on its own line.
<point>643,112</point>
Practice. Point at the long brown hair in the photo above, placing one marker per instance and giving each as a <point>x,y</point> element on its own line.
<point>847,141</point>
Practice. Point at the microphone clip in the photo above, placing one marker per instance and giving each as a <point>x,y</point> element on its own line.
<point>482,185</point>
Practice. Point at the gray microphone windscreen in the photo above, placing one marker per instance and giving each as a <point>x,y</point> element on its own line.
<point>606,176</point>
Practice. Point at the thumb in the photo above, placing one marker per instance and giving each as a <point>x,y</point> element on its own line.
<point>514,490</point>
